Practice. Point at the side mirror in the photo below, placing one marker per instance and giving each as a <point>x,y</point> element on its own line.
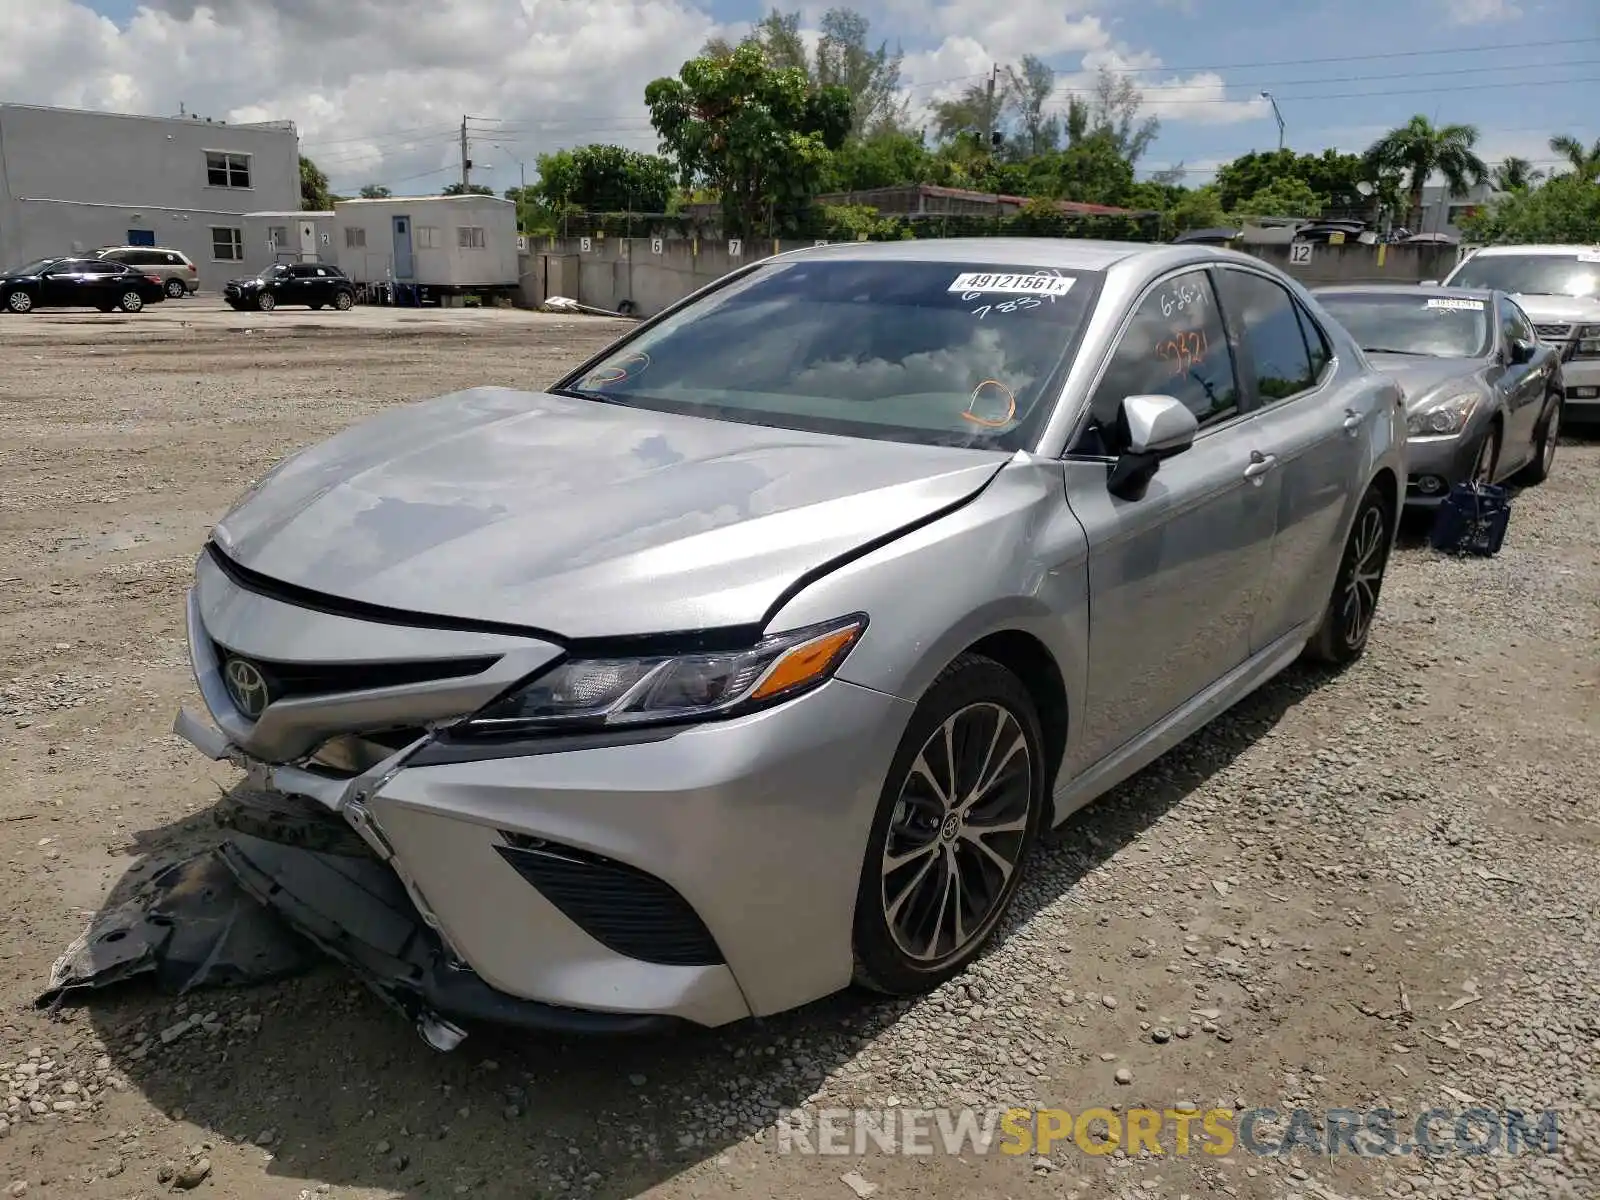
<point>1522,352</point>
<point>1153,428</point>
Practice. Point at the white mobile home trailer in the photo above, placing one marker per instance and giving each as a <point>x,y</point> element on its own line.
<point>437,242</point>
<point>273,237</point>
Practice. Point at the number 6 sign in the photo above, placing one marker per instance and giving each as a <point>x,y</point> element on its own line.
<point>655,245</point>
<point>1300,254</point>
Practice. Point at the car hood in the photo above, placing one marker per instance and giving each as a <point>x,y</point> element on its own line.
<point>242,281</point>
<point>580,518</point>
<point>1567,309</point>
<point>1421,378</point>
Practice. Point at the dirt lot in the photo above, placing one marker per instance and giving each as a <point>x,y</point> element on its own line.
<point>1375,890</point>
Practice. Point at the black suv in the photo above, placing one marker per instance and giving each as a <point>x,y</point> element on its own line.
<point>311,284</point>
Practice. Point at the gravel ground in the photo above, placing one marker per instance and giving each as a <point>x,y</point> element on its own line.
<point>1370,890</point>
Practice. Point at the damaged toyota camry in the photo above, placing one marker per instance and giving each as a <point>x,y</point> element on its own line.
<point>748,660</point>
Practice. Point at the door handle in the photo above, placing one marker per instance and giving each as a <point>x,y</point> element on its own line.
<point>1260,464</point>
<point>1352,420</point>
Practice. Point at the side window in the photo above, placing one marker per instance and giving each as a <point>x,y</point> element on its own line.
<point>1316,341</point>
<point>117,255</point>
<point>173,260</point>
<point>1273,340</point>
<point>1175,345</point>
<point>1515,323</point>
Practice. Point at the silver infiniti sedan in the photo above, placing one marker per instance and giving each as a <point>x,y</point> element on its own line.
<point>749,660</point>
<point>1483,393</point>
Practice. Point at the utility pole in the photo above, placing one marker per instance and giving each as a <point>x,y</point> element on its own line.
<point>466,163</point>
<point>994,72</point>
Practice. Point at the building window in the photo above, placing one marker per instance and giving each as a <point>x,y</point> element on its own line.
<point>278,235</point>
<point>470,237</point>
<point>227,245</point>
<point>227,170</point>
<point>428,237</point>
<point>355,239</point>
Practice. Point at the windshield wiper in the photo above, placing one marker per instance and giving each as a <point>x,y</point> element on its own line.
<point>1392,350</point>
<point>573,393</point>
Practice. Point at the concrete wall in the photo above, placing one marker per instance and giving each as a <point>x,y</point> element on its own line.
<point>438,260</point>
<point>612,270</point>
<point>73,181</point>
<point>291,230</point>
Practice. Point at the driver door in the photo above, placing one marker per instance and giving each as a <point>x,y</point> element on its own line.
<point>58,287</point>
<point>1175,576</point>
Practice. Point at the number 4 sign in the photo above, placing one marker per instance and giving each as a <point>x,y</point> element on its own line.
<point>1300,254</point>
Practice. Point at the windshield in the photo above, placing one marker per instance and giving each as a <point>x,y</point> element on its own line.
<point>32,268</point>
<point>273,272</point>
<point>1574,274</point>
<point>1438,326</point>
<point>953,354</point>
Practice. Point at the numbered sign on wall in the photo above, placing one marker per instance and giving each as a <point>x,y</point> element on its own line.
<point>656,245</point>
<point>1300,254</point>
<point>585,245</point>
<point>324,239</point>
<point>735,248</point>
<point>820,242</point>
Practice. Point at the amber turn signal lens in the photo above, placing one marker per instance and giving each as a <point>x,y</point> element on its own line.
<point>807,662</point>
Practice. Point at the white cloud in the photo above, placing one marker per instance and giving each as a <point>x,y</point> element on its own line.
<point>378,87</point>
<point>1479,12</point>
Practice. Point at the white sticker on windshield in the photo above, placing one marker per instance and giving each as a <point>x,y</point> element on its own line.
<point>1452,302</point>
<point>980,284</point>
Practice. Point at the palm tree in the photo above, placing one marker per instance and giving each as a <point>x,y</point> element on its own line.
<point>1516,175</point>
<point>1420,150</point>
<point>1585,160</point>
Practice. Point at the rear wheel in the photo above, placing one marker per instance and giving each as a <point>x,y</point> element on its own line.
<point>266,302</point>
<point>176,290</point>
<point>1342,637</point>
<point>131,302</point>
<point>19,302</point>
<point>956,818</point>
<point>1544,445</point>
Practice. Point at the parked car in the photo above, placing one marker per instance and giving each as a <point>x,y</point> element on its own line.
<point>750,659</point>
<point>1483,394</point>
<point>179,275</point>
<point>311,284</point>
<point>1559,288</point>
<point>78,283</point>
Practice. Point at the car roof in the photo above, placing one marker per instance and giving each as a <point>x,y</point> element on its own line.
<point>1403,289</point>
<point>1071,254</point>
<point>1551,249</point>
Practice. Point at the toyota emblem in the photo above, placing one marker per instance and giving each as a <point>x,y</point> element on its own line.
<point>247,686</point>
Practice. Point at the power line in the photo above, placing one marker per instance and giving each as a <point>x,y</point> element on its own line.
<point>1156,88</point>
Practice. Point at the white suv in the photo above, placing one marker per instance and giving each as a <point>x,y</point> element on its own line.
<point>178,274</point>
<point>1559,288</point>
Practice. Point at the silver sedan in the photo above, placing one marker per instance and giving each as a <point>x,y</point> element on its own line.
<point>750,659</point>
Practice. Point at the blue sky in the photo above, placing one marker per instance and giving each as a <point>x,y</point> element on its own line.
<point>367,79</point>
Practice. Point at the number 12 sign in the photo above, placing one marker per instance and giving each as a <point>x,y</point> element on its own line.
<point>1300,254</point>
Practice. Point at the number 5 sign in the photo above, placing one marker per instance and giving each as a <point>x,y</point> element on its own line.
<point>1300,254</point>
<point>585,245</point>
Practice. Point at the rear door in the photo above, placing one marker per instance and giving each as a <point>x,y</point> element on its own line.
<point>1313,433</point>
<point>1174,576</point>
<point>102,283</point>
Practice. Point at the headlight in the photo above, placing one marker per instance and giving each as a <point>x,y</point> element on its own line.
<point>1588,341</point>
<point>1444,417</point>
<point>608,692</point>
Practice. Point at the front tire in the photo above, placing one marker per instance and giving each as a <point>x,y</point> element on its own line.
<point>1487,462</point>
<point>1346,626</point>
<point>957,816</point>
<point>266,302</point>
<point>1544,446</point>
<point>19,302</point>
<point>343,301</point>
<point>131,302</point>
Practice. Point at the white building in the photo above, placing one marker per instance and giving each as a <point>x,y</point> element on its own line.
<point>289,236</point>
<point>432,241</point>
<point>73,181</point>
<point>1441,211</point>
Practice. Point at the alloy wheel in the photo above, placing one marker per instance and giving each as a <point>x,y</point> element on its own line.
<point>19,302</point>
<point>1369,551</point>
<point>266,302</point>
<point>1552,431</point>
<point>175,289</point>
<point>132,302</point>
<point>1483,469</point>
<point>342,301</point>
<point>957,833</point>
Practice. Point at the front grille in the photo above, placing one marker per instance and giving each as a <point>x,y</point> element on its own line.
<point>290,680</point>
<point>1553,333</point>
<point>623,908</point>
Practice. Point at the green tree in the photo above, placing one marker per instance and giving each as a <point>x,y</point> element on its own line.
<point>1093,170</point>
<point>974,111</point>
<point>1029,85</point>
<point>313,187</point>
<point>1115,109</point>
<point>1200,208</point>
<point>1419,149</point>
<point>1585,160</point>
<point>881,160</point>
<point>605,179</point>
<point>375,191</point>
<point>1332,176</point>
<point>469,189</point>
<point>1283,198</point>
<point>760,135</point>
<point>1516,175</point>
<point>1563,209</point>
